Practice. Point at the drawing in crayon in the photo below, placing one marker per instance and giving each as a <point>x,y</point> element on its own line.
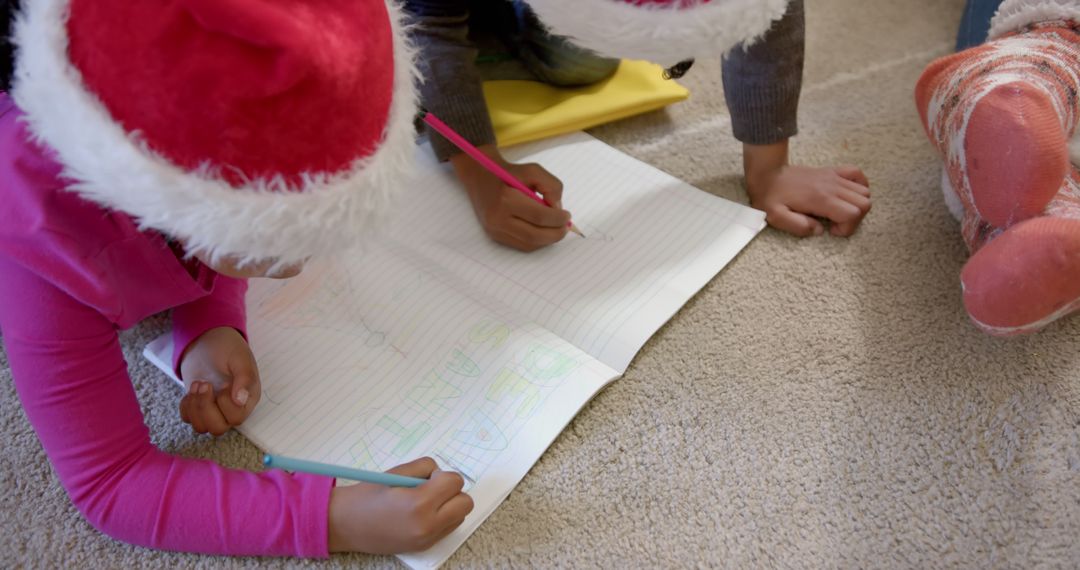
<point>408,437</point>
<point>512,384</point>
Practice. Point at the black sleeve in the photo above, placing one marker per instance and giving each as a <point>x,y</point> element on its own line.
<point>7,51</point>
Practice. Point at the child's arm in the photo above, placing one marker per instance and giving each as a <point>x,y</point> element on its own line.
<point>388,520</point>
<point>762,85</point>
<point>211,355</point>
<point>223,307</point>
<point>452,90</point>
<point>793,197</point>
<point>72,381</point>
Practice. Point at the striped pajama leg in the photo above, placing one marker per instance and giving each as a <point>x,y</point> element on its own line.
<point>1002,115</point>
<point>1028,276</point>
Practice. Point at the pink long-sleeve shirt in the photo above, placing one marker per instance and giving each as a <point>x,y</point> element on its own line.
<point>71,276</point>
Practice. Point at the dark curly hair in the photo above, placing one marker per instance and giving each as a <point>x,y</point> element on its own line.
<point>7,51</point>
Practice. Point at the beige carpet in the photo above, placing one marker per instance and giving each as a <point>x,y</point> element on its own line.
<point>822,404</point>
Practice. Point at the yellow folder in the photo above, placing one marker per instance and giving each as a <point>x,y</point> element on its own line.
<point>523,111</point>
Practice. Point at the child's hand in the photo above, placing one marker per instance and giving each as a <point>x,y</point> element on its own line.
<point>508,216</point>
<point>222,380</point>
<point>794,197</point>
<point>391,520</point>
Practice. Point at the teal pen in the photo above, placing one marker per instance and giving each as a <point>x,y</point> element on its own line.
<point>294,465</point>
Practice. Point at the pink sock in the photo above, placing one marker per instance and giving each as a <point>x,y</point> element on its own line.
<point>1029,276</point>
<point>1002,115</point>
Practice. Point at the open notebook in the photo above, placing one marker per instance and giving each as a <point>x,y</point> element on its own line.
<point>438,342</point>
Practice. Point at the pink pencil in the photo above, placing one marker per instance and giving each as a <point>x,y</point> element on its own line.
<point>487,163</point>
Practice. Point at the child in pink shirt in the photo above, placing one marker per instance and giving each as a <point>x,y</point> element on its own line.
<point>152,156</point>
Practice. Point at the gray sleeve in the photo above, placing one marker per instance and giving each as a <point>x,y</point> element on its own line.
<point>451,87</point>
<point>762,82</point>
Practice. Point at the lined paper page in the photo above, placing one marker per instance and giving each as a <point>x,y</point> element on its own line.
<point>653,242</point>
<point>439,342</point>
<point>367,360</point>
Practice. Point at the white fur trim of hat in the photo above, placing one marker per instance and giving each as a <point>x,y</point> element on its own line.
<point>665,33</point>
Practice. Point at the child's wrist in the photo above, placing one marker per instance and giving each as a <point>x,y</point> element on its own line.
<point>762,163</point>
<point>476,179</point>
<point>468,170</point>
<point>759,181</point>
<point>336,541</point>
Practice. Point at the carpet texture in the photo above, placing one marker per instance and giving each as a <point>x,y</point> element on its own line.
<point>824,403</point>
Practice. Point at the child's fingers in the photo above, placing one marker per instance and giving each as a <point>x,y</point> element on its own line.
<point>443,486</point>
<point>853,173</point>
<point>856,198</point>
<point>536,177</point>
<point>844,230</point>
<point>187,403</point>
<point>213,375</point>
<point>234,415</point>
<point>855,187</point>
<point>535,234</point>
<point>835,209</point>
<point>421,468</point>
<point>533,212</point>
<point>185,407</point>
<point>451,515</point>
<point>847,228</point>
<point>455,509</point>
<point>238,397</point>
<point>784,219</point>
<point>205,415</point>
<point>524,236</point>
<point>245,390</point>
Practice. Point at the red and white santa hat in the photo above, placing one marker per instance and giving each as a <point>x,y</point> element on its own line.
<point>664,31</point>
<point>1013,15</point>
<point>254,129</point>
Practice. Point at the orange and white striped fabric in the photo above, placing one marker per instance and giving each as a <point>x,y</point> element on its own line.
<point>1017,91</point>
<point>1003,115</point>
